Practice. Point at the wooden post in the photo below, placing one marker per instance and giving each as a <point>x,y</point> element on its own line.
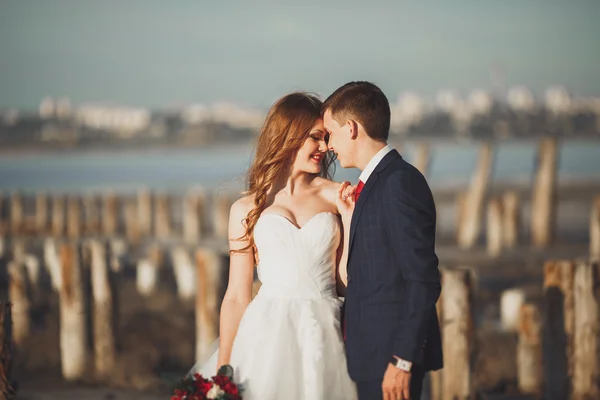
<point>147,271</point>
<point>73,335</point>
<point>457,333</point>
<point>209,283</point>
<point>529,351</point>
<point>191,218</point>
<point>118,249</point>
<point>132,230</point>
<point>511,219</point>
<point>16,213</point>
<point>595,230</point>
<point>185,274</point>
<point>494,228</point>
<point>163,221</point>
<point>558,328</point>
<point>41,213</point>
<point>53,263</point>
<point>460,213</point>
<point>109,216</point>
<point>543,202</point>
<point>91,215</point>
<point>586,374</point>
<point>422,158</point>
<point>3,227</point>
<point>104,342</point>
<point>7,386</point>
<point>144,208</point>
<point>436,377</point>
<point>511,302</point>
<point>19,297</point>
<point>58,216</point>
<point>221,206</point>
<point>73,218</point>
<point>32,266</point>
<point>469,230</point>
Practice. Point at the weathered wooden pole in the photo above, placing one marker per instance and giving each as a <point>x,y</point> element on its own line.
<point>41,213</point>
<point>436,377</point>
<point>494,226</point>
<point>162,222</point>
<point>221,205</point>
<point>529,351</point>
<point>543,201</point>
<point>53,263</point>
<point>73,218</point>
<point>185,273</point>
<point>558,328</point>
<point>17,215</point>
<point>132,230</point>
<point>19,297</point>
<point>457,333</point>
<point>147,271</point>
<point>422,158</point>
<point>91,214</point>
<point>511,220</point>
<point>104,335</point>
<point>595,229</point>
<point>73,334</point>
<point>7,386</point>
<point>109,215</point>
<point>209,283</point>
<point>472,212</point>
<point>586,374</point>
<point>191,218</point>
<point>144,208</point>
<point>58,216</point>
<point>511,302</point>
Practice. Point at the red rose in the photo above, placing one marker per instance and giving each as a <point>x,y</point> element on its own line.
<point>230,388</point>
<point>221,380</point>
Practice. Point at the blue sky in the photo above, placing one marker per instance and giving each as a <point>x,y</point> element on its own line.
<point>165,53</point>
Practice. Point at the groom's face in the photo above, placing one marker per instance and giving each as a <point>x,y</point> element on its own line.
<point>340,141</point>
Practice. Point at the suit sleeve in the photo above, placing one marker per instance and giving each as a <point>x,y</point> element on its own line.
<point>412,225</point>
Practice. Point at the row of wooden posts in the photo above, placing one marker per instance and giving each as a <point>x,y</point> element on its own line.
<point>557,354</point>
<point>137,217</point>
<point>558,340</point>
<point>141,221</point>
<point>69,264</point>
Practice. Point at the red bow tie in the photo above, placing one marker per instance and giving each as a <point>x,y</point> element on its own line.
<point>359,189</point>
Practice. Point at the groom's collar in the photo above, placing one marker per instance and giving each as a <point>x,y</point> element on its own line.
<point>366,173</point>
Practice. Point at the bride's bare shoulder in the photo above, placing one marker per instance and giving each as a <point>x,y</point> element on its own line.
<point>328,188</point>
<point>242,206</point>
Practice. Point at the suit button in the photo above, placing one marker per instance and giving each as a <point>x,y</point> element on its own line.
<point>349,278</point>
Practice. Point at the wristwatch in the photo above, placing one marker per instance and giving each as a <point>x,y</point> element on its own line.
<point>399,363</point>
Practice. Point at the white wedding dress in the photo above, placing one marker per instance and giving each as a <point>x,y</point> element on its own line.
<point>289,343</point>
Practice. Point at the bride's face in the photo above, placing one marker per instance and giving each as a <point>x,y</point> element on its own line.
<point>309,157</point>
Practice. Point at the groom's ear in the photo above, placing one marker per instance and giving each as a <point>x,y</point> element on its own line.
<point>353,128</point>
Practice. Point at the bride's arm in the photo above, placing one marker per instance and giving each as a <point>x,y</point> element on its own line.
<point>239,288</point>
<point>342,260</point>
<point>345,205</point>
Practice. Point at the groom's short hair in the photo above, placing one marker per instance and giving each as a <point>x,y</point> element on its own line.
<point>363,102</point>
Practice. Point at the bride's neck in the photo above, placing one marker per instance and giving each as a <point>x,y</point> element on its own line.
<point>292,181</point>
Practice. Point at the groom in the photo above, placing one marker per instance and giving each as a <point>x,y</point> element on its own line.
<point>391,326</point>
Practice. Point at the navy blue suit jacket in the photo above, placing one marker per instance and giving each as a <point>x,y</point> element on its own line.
<point>393,276</point>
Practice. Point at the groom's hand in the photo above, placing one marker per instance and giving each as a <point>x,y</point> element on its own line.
<point>396,384</point>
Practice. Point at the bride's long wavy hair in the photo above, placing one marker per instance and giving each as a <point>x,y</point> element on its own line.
<point>286,128</point>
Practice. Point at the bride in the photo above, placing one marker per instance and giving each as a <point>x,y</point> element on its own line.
<point>287,343</point>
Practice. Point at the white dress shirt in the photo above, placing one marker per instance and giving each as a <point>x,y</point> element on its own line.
<point>366,173</point>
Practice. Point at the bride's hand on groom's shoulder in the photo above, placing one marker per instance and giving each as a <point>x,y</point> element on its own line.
<point>345,201</point>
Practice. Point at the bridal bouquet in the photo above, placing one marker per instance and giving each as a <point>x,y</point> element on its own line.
<point>219,387</point>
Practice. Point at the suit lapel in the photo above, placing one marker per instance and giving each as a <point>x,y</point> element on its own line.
<point>371,182</point>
